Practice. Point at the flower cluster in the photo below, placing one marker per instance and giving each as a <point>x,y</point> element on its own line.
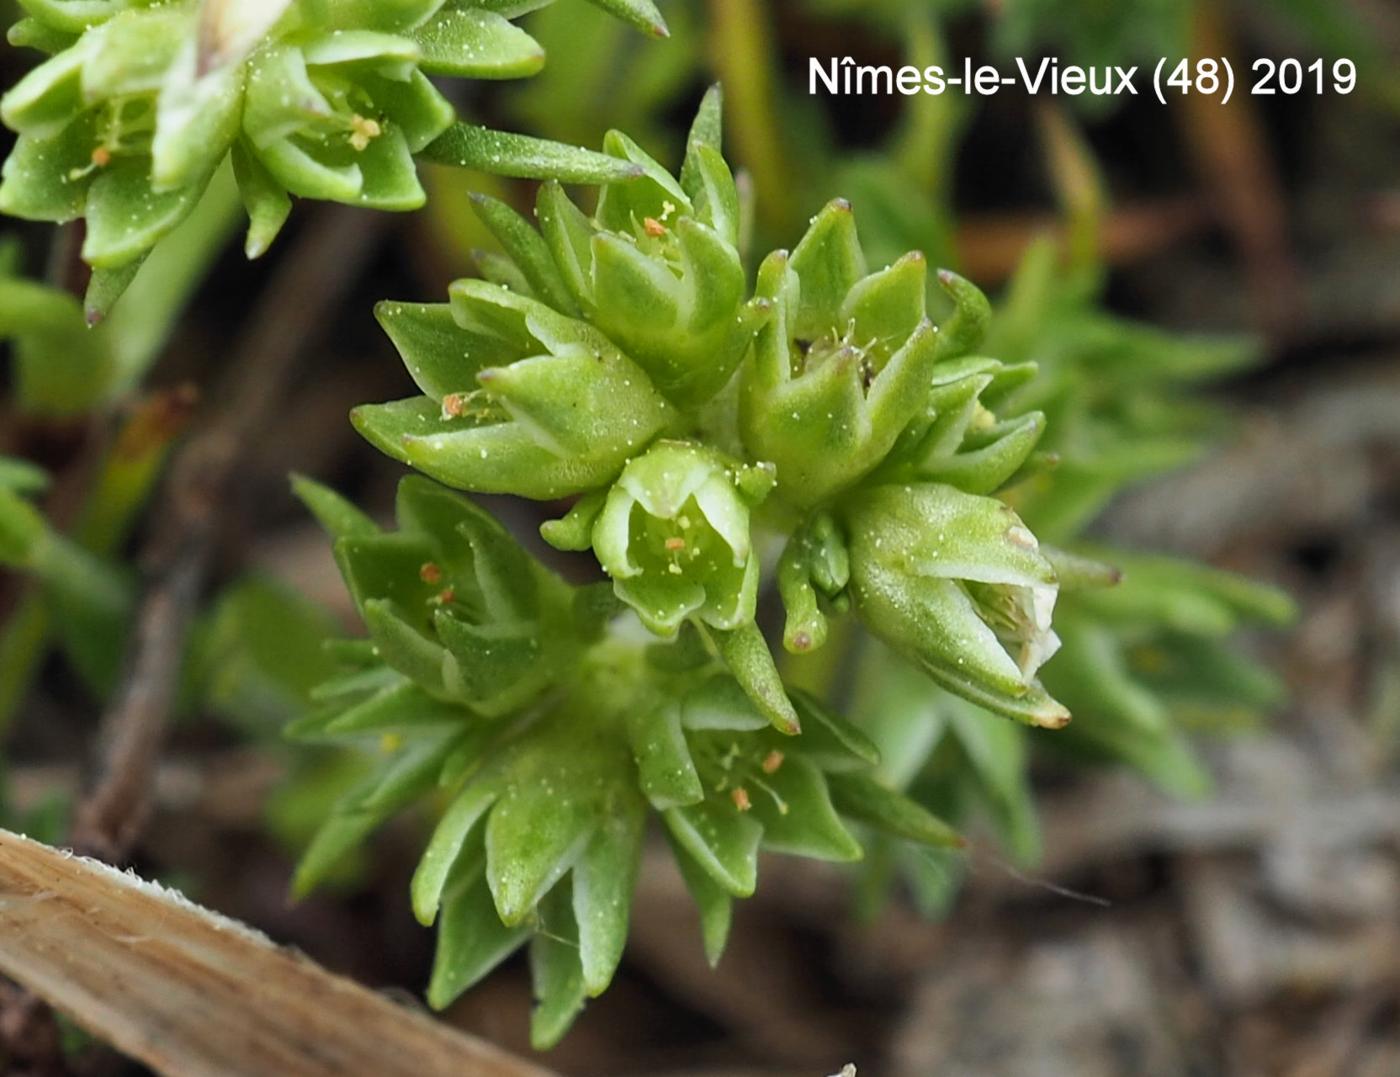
<point>1145,651</point>
<point>139,104</point>
<point>488,677</point>
<point>618,360</point>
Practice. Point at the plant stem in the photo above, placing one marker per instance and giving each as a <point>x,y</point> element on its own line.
<point>745,59</point>
<point>128,474</point>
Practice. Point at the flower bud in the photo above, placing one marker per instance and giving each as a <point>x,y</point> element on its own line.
<point>518,398</point>
<point>957,584</point>
<point>658,268</point>
<point>844,362</point>
<point>451,600</point>
<point>957,439</point>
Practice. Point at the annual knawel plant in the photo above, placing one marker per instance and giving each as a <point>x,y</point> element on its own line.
<point>819,433</point>
<point>809,457</point>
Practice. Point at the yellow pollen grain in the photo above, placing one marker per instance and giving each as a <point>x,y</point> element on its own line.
<point>362,131</point>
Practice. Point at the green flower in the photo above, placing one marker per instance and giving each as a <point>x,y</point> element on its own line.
<point>458,612</point>
<point>957,584</point>
<point>845,360</point>
<point>657,267</point>
<point>958,439</point>
<point>518,398</point>
<point>674,535</point>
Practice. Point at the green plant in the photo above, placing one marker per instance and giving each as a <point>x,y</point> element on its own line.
<point>139,105</point>
<point>916,490</point>
<point>1145,658</point>
<point>553,733</point>
<point>619,360</point>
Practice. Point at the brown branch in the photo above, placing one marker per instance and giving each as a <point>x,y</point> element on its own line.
<point>191,993</point>
<point>302,294</point>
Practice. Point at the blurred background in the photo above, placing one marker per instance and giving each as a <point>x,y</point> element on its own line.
<point>1231,307</point>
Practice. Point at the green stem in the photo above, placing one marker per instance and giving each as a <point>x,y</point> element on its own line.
<point>744,57</point>
<point>23,645</point>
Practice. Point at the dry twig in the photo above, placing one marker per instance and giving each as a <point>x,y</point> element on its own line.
<point>191,993</point>
<point>307,286</point>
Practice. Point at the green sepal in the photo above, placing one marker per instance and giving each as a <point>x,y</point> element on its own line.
<point>831,742</point>
<point>446,846</point>
<point>531,841</point>
<point>471,940</point>
<point>665,770</point>
<point>474,43</point>
<point>126,218</point>
<point>48,98</point>
<point>574,533</point>
<point>411,773</point>
<point>403,708</point>
<point>556,972</point>
<point>267,203</point>
<point>47,177</point>
<point>795,808</point>
<point>105,287</point>
<point>746,653</point>
<point>829,262</point>
<point>722,840</point>
<point>33,33</point>
<point>339,517</point>
<point>986,468</point>
<point>603,882</point>
<point>197,120</point>
<point>714,903</point>
<point>440,356</point>
<point>528,250</point>
<point>639,13</point>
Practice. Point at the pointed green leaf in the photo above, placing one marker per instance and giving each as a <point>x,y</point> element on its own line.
<point>603,881</point>
<point>864,799</point>
<point>471,939</point>
<point>339,517</point>
<point>501,153</point>
<point>640,13</point>
<point>267,203</point>
<point>126,218</point>
<point>746,653</point>
<point>829,262</point>
<point>528,250</point>
<point>46,177</point>
<point>795,809</point>
<point>532,839</point>
<point>556,973</point>
<point>714,902</point>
